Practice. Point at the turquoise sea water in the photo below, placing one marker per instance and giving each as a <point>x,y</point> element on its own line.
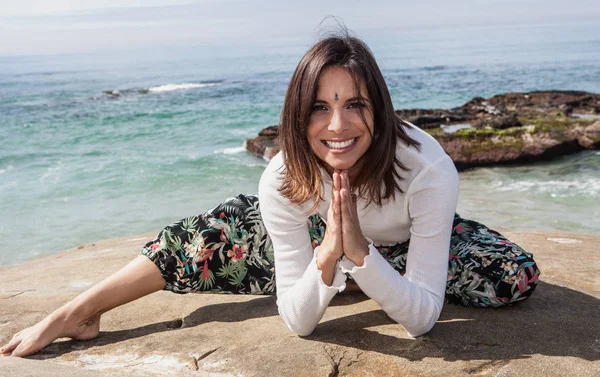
<point>78,165</point>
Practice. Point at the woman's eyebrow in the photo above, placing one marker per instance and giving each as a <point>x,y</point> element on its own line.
<point>357,98</point>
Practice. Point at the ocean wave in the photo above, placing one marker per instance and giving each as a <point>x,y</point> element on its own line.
<point>435,68</point>
<point>568,188</point>
<point>116,93</point>
<point>173,87</point>
<point>232,150</point>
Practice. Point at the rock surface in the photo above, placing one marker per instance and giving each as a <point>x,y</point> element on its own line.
<point>554,333</point>
<point>508,128</point>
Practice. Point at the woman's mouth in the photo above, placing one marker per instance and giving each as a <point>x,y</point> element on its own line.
<point>340,144</point>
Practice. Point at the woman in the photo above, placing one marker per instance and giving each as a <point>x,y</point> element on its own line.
<point>351,175</point>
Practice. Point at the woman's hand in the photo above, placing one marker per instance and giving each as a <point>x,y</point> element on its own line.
<point>331,248</point>
<point>354,244</point>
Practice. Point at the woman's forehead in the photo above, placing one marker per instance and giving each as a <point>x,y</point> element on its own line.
<point>339,80</point>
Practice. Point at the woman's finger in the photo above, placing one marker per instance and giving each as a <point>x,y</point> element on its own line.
<point>337,180</point>
<point>335,202</point>
<point>351,199</point>
<point>337,222</point>
<point>347,220</point>
<point>348,200</point>
<point>344,180</point>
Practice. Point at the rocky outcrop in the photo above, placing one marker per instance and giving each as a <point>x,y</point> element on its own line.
<point>508,128</point>
<point>266,144</point>
<point>554,333</point>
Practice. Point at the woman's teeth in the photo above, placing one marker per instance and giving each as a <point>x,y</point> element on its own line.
<point>339,144</point>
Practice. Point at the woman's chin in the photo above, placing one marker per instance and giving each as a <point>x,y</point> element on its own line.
<point>342,166</point>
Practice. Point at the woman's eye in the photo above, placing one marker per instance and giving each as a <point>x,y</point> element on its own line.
<point>319,108</point>
<point>356,105</point>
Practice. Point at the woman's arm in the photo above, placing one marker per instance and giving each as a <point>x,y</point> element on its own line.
<point>415,300</point>
<point>302,295</point>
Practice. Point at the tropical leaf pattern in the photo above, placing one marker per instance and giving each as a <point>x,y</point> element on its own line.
<point>223,250</point>
<point>227,249</point>
<point>484,268</point>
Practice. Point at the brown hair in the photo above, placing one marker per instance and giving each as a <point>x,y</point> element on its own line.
<point>302,177</point>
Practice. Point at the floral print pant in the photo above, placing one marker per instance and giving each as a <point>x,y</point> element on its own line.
<point>228,250</point>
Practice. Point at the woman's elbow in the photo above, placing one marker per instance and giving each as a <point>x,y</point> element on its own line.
<point>297,325</point>
<point>421,328</point>
<point>300,329</point>
<point>423,324</point>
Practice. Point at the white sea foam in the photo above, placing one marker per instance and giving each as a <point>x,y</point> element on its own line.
<point>586,116</point>
<point>232,150</point>
<point>449,129</point>
<point>585,186</point>
<point>172,87</point>
<point>9,167</point>
<point>52,173</point>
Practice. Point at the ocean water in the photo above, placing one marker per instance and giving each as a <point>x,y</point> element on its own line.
<point>79,165</point>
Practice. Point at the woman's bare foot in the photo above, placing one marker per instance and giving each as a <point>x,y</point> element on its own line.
<point>80,318</point>
<point>33,339</point>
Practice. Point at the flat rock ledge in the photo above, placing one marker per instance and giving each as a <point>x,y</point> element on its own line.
<point>554,333</point>
<point>504,129</point>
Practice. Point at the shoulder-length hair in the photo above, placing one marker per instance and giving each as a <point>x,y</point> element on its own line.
<point>378,167</point>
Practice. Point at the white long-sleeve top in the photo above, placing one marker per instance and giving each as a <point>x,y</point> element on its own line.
<point>423,212</point>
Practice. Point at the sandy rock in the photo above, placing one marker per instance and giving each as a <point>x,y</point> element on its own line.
<point>554,333</point>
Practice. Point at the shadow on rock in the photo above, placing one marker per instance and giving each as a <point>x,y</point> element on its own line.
<point>555,321</point>
<point>225,312</point>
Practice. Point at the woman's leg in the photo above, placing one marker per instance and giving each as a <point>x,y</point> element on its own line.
<point>486,269</point>
<point>80,318</point>
<point>226,249</point>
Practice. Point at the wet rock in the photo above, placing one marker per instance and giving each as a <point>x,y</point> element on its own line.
<point>266,145</point>
<point>500,122</point>
<point>112,93</point>
<point>508,128</point>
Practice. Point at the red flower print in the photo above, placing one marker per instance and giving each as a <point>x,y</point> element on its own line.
<point>459,229</point>
<point>155,246</point>
<point>222,215</point>
<point>237,252</point>
<point>205,274</point>
<point>207,254</point>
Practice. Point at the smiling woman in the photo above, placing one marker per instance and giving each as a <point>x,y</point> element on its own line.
<point>356,194</point>
<point>341,126</point>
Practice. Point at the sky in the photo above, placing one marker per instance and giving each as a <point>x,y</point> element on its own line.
<point>68,26</point>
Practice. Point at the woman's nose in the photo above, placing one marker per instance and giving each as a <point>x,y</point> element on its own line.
<point>338,122</point>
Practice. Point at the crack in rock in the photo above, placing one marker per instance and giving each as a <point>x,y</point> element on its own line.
<point>16,294</point>
<point>332,354</point>
<point>486,367</point>
<point>206,354</point>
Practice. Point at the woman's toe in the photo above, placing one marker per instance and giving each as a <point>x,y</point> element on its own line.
<point>7,349</point>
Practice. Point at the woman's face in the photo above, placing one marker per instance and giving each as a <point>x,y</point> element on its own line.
<point>336,131</point>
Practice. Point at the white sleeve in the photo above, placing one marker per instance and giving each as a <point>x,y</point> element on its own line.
<point>415,300</point>
<point>302,296</point>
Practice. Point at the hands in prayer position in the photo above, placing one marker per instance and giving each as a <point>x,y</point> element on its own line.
<point>343,235</point>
